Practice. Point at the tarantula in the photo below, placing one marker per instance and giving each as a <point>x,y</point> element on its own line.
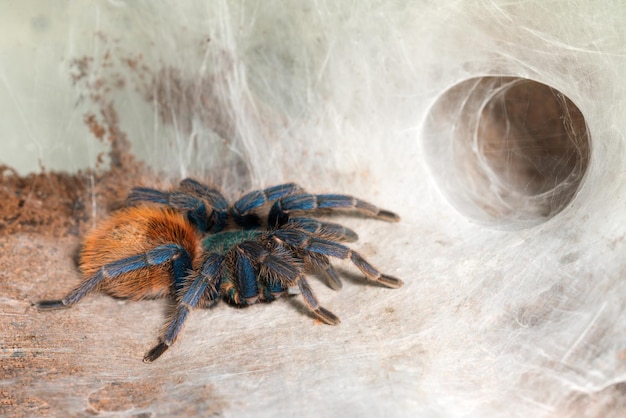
<point>190,244</point>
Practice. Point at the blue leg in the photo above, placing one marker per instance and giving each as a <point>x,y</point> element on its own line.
<point>207,281</point>
<point>321,263</point>
<point>305,202</point>
<point>277,265</point>
<point>195,207</point>
<point>311,302</point>
<point>206,207</point>
<point>276,269</point>
<point>301,240</point>
<point>159,255</point>
<point>183,199</point>
<point>243,209</point>
<point>245,276</point>
<point>326,230</point>
<point>270,291</point>
<point>211,195</point>
<point>146,194</point>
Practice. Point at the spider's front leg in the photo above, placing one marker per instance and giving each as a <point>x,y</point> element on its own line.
<point>303,241</point>
<point>276,266</point>
<point>329,230</point>
<point>321,264</point>
<point>305,202</point>
<point>311,302</point>
<point>205,283</point>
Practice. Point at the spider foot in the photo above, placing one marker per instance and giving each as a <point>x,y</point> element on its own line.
<point>51,305</point>
<point>156,352</point>
<point>389,281</point>
<point>387,215</point>
<point>326,316</point>
<point>311,302</point>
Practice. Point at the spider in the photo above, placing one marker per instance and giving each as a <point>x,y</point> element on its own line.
<point>191,245</point>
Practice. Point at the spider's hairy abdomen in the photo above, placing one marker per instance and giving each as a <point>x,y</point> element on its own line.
<point>131,231</point>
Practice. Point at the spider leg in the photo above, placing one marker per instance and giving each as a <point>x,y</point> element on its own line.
<point>208,277</point>
<point>210,194</point>
<point>245,275</point>
<point>335,232</point>
<point>147,194</point>
<point>327,230</point>
<point>311,302</point>
<point>276,270</point>
<point>301,240</point>
<point>321,264</point>
<point>279,213</point>
<point>181,262</point>
<point>239,284</point>
<point>206,207</point>
<point>180,200</point>
<point>242,210</point>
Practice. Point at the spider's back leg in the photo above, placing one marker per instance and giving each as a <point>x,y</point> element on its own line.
<point>211,194</point>
<point>328,230</point>
<point>205,206</point>
<point>311,302</point>
<point>243,209</point>
<point>320,263</point>
<point>174,253</point>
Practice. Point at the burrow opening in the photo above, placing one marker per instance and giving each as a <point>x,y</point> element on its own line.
<point>507,152</point>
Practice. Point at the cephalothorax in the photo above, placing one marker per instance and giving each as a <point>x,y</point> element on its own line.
<point>190,244</point>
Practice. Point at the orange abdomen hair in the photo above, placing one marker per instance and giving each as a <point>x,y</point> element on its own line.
<point>132,231</point>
